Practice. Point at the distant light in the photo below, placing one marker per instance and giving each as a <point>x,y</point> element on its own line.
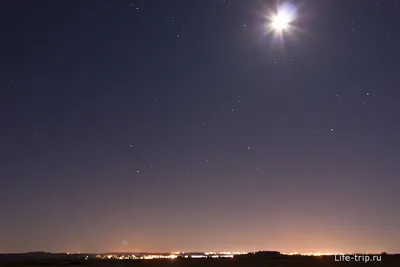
<point>198,256</point>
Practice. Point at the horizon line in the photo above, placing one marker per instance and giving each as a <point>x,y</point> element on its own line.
<point>213,252</point>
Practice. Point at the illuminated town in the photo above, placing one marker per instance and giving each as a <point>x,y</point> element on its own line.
<point>182,258</point>
<point>313,254</point>
<point>174,255</point>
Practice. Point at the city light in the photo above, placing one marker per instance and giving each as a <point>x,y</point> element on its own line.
<point>172,256</point>
<point>312,253</point>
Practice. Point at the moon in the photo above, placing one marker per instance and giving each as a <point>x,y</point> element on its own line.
<point>280,21</point>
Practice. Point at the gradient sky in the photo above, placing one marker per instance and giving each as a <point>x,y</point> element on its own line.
<point>185,126</point>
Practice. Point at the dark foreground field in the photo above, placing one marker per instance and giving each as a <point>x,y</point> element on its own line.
<point>387,261</point>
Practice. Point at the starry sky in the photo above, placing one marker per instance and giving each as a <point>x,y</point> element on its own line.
<point>190,126</point>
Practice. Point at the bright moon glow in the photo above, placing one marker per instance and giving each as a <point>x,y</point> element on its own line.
<point>282,19</point>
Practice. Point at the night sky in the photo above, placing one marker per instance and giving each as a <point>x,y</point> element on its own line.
<point>190,126</point>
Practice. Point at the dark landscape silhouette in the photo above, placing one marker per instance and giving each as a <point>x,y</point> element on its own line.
<point>257,259</point>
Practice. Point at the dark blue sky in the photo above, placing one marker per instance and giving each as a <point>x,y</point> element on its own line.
<point>186,125</point>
